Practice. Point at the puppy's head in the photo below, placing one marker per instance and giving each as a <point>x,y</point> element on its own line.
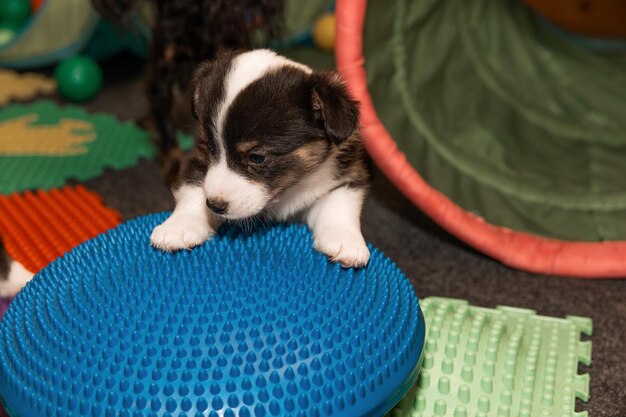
<point>265,123</point>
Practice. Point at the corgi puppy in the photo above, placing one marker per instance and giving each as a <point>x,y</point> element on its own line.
<point>278,141</point>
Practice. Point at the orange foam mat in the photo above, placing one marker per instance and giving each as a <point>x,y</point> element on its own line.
<point>38,227</point>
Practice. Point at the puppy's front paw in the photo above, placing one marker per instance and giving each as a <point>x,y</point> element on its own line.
<point>180,232</point>
<point>347,247</point>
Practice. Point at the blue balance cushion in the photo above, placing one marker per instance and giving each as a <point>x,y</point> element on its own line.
<point>248,324</point>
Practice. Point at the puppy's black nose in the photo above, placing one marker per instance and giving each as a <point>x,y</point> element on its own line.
<point>217,205</point>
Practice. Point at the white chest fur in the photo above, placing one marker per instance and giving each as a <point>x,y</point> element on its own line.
<point>303,194</point>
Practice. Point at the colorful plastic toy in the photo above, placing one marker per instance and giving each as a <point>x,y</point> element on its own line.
<point>15,12</point>
<point>490,139</point>
<point>7,33</point>
<point>61,29</point>
<point>245,325</point>
<point>324,32</point>
<point>595,18</point>
<point>35,4</point>
<point>79,78</point>
<point>300,18</point>
<point>505,362</point>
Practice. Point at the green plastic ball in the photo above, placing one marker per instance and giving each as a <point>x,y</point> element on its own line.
<point>79,78</point>
<point>14,11</point>
<point>7,32</point>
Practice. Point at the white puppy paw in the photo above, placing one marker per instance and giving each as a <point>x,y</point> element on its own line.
<point>180,232</point>
<point>346,247</point>
<point>17,278</point>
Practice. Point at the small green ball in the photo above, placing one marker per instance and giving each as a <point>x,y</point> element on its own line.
<point>79,78</point>
<point>7,32</point>
<point>14,11</point>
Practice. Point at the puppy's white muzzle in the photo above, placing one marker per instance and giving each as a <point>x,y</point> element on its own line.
<point>231,195</point>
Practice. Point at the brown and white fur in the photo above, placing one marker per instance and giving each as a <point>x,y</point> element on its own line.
<point>13,275</point>
<point>279,141</point>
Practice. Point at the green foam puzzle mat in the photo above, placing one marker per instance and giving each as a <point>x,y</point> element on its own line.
<point>42,145</point>
<point>503,362</point>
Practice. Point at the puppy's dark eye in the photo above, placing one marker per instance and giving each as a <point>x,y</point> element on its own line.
<point>257,158</point>
<point>210,145</point>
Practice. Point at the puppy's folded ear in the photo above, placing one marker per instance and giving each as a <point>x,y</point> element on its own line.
<point>207,84</point>
<point>333,106</point>
<point>200,74</point>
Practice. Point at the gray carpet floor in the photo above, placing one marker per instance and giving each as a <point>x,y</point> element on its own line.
<point>436,263</point>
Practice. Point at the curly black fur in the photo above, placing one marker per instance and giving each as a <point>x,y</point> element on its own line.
<point>185,33</point>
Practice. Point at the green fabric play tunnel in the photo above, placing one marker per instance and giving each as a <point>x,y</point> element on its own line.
<point>507,134</point>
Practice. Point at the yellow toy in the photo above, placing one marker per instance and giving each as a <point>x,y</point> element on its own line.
<point>324,32</point>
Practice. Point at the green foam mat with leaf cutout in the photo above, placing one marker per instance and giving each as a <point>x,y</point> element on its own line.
<point>42,145</point>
